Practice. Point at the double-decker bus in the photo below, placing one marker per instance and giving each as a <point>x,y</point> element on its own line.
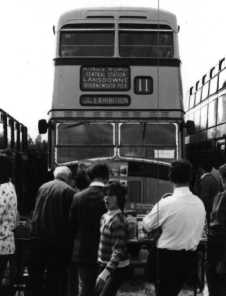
<point>206,107</point>
<point>118,96</point>
<point>13,142</point>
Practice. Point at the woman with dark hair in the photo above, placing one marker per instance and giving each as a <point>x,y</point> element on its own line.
<point>112,253</point>
<point>8,212</point>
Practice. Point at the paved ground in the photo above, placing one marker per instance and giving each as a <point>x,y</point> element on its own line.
<point>135,289</point>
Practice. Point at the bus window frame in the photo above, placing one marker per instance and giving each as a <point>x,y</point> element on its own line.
<point>11,124</point>
<point>176,147</point>
<point>3,129</point>
<point>205,89</point>
<point>198,96</point>
<point>197,119</point>
<point>191,100</point>
<point>223,116</point>
<point>116,46</point>
<point>213,87</point>
<point>24,137</point>
<point>215,103</point>
<point>18,137</point>
<point>86,30</point>
<point>222,84</point>
<point>157,45</point>
<point>56,145</point>
<point>203,117</point>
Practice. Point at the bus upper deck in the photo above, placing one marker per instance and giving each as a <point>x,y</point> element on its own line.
<point>111,58</point>
<point>206,108</point>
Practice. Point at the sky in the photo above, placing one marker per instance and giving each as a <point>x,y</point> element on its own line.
<point>27,47</point>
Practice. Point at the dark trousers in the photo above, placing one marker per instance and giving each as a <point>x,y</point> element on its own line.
<point>114,282</point>
<point>48,268</point>
<point>3,264</point>
<point>216,282</point>
<point>87,274</point>
<point>173,269</point>
<point>72,283</point>
<point>6,274</point>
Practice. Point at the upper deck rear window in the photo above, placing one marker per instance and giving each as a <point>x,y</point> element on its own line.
<point>152,44</point>
<point>78,43</point>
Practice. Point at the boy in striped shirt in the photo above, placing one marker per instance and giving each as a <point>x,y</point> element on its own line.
<point>112,253</point>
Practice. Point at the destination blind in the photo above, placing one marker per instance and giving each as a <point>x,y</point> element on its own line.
<point>105,78</point>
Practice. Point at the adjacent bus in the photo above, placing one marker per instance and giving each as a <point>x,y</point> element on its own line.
<point>117,96</point>
<point>13,142</point>
<point>206,107</point>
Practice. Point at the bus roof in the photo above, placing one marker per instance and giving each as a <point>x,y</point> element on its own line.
<point>122,14</point>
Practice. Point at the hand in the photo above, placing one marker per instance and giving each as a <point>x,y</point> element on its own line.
<point>101,279</point>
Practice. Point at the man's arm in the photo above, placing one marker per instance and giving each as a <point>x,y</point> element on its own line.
<point>153,219</point>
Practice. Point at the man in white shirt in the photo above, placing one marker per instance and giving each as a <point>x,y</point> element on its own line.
<point>181,217</point>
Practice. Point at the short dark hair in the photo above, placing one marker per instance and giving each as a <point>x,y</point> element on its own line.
<point>206,165</point>
<point>82,179</point>
<point>119,190</point>
<point>180,172</point>
<point>5,168</point>
<point>98,170</point>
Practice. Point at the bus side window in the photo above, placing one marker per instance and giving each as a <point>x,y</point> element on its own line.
<point>212,114</point>
<point>203,120</point>
<point>222,79</point>
<point>213,85</point>
<point>197,119</point>
<point>205,90</point>
<point>2,136</point>
<point>191,100</point>
<point>221,109</point>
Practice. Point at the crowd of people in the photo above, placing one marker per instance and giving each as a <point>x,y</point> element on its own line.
<point>79,233</point>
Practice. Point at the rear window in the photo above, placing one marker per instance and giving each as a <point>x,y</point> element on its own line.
<point>91,43</point>
<point>146,44</point>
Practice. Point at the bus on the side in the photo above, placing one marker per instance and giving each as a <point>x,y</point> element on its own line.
<point>206,107</point>
<point>117,97</point>
<point>13,142</point>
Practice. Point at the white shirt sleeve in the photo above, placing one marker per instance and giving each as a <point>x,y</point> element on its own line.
<point>153,219</point>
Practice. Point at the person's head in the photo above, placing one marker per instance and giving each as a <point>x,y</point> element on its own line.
<point>206,166</point>
<point>180,172</point>
<point>5,169</point>
<point>63,173</point>
<point>222,171</point>
<point>81,179</point>
<point>99,171</point>
<point>115,196</point>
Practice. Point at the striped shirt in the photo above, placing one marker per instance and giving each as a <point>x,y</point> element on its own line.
<point>113,240</point>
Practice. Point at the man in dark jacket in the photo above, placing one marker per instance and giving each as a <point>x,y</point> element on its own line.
<point>216,246</point>
<point>87,208</point>
<point>210,184</point>
<point>51,245</point>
